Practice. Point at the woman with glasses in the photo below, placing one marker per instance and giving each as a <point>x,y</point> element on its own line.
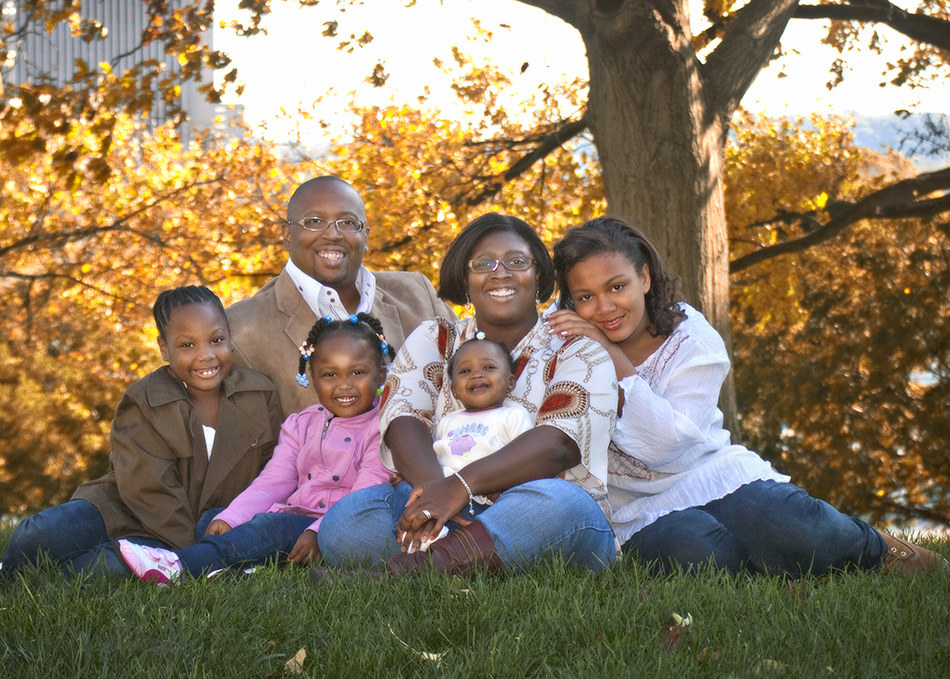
<point>545,489</point>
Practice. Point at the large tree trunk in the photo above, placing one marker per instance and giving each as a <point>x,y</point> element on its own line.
<point>659,118</point>
<point>660,149</point>
<point>644,96</point>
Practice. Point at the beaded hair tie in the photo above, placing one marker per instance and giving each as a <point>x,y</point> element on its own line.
<point>306,350</point>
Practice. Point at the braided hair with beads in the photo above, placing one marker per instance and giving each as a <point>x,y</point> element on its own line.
<point>361,325</point>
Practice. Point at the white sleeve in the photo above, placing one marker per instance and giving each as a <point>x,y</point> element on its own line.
<point>658,427</point>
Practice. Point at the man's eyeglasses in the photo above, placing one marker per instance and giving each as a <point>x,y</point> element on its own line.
<point>321,224</point>
<point>516,263</point>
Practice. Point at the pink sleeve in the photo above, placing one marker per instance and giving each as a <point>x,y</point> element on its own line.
<point>276,482</point>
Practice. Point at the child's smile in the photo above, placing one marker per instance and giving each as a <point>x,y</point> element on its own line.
<point>346,374</point>
<point>197,346</point>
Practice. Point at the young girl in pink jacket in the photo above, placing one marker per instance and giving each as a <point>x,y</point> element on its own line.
<point>324,452</point>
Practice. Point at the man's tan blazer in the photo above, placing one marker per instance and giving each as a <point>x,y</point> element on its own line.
<point>268,328</point>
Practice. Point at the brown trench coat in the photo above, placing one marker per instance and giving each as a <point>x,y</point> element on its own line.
<point>161,479</point>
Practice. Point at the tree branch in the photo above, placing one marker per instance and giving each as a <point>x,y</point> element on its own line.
<point>747,43</point>
<point>117,225</point>
<point>563,132</point>
<point>566,10</point>
<point>911,511</point>
<point>916,26</point>
<point>909,198</point>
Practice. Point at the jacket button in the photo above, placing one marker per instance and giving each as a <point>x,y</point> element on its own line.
<point>308,477</point>
<point>322,504</point>
<point>336,478</point>
<point>347,439</point>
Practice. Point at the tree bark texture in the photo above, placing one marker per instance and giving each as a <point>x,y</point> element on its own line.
<point>659,118</point>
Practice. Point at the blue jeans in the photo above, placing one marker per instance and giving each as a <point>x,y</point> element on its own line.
<point>74,536</point>
<point>762,527</point>
<point>527,523</point>
<point>264,537</point>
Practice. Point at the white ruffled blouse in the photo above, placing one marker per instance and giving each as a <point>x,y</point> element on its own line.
<point>669,449</point>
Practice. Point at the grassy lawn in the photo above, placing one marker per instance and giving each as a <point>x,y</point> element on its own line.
<point>551,622</point>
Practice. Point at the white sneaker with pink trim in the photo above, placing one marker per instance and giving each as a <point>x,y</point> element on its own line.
<point>151,564</point>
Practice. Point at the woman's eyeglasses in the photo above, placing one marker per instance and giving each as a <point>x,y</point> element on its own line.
<point>485,265</point>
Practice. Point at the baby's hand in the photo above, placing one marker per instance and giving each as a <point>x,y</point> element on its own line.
<point>217,527</point>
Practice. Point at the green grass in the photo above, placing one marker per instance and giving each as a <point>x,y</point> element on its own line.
<point>553,622</point>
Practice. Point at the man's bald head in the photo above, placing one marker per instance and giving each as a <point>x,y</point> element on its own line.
<point>302,196</point>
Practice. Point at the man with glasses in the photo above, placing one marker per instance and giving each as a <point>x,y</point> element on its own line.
<point>326,236</point>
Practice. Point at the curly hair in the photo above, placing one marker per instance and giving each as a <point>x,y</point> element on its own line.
<point>608,235</point>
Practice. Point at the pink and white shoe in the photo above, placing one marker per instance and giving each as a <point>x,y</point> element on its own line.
<point>151,564</point>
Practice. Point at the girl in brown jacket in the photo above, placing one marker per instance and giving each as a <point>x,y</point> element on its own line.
<point>187,438</point>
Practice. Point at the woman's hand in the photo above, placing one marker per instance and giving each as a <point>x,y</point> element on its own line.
<point>567,323</point>
<point>430,506</point>
<point>217,527</point>
<point>306,550</point>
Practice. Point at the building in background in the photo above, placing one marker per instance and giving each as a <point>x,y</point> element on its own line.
<point>54,54</point>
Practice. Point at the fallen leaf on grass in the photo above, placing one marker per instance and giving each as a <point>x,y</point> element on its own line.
<point>435,658</point>
<point>295,664</point>
<point>768,666</point>
<point>799,588</point>
<point>680,620</point>
<point>595,642</point>
<point>673,634</point>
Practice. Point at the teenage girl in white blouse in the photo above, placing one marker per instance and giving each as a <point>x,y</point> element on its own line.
<point>681,494</point>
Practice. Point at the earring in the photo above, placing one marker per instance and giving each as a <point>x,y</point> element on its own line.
<point>537,296</point>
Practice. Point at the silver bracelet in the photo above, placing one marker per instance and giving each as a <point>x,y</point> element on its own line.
<point>471,498</point>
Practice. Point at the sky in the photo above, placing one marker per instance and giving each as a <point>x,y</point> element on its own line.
<point>294,64</point>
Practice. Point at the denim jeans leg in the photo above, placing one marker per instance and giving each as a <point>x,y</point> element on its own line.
<point>360,529</point>
<point>786,531</point>
<point>547,517</point>
<point>687,539</point>
<point>64,532</point>
<point>204,520</point>
<point>266,536</point>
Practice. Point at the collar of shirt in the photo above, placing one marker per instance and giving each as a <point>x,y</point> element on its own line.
<point>324,300</point>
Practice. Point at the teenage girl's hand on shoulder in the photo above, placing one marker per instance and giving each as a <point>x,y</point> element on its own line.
<point>567,323</point>
<point>217,527</point>
<point>305,549</point>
